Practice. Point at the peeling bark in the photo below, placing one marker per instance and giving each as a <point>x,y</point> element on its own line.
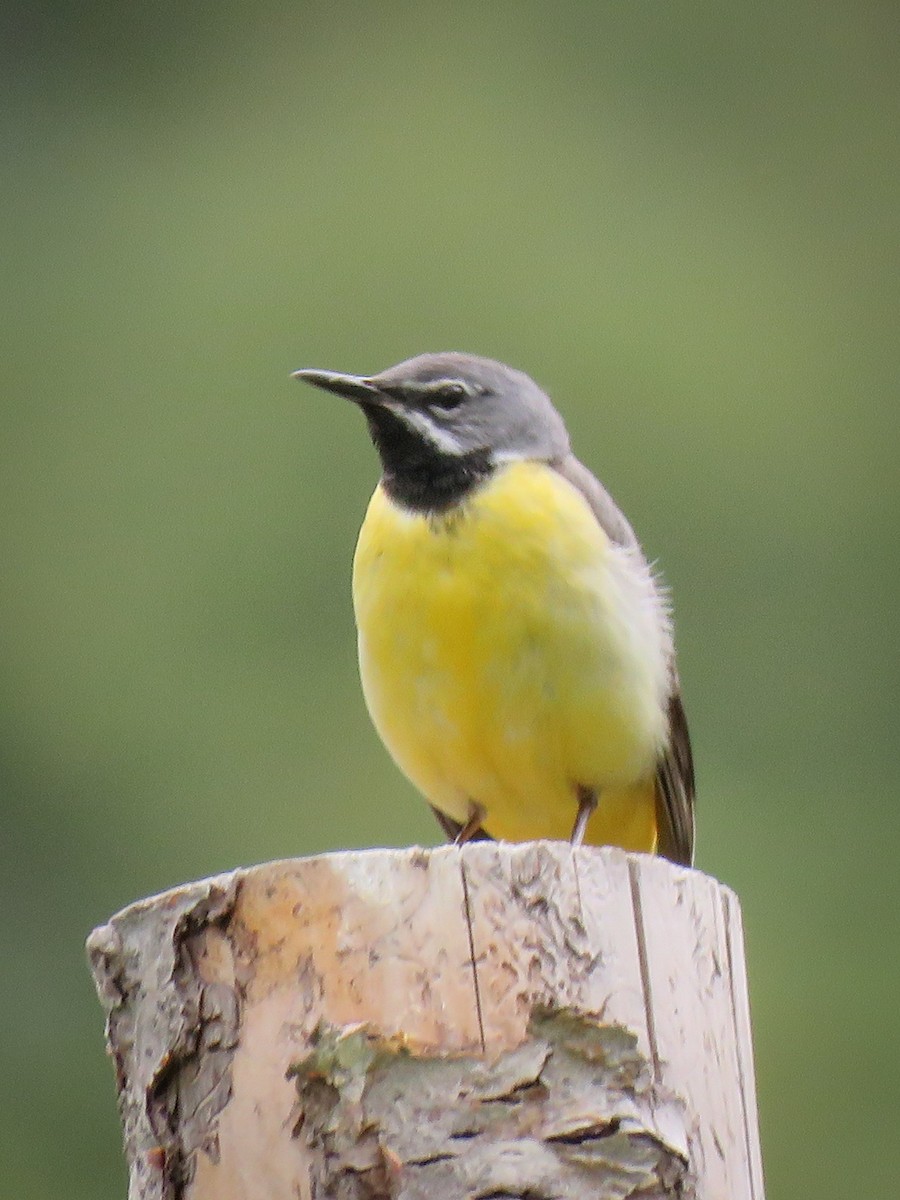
<point>171,1034</point>
<point>567,1114</point>
<point>504,1021</point>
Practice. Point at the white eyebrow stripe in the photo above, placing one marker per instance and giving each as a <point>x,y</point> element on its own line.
<point>427,387</point>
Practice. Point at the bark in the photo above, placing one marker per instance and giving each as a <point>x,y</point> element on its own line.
<point>524,1021</point>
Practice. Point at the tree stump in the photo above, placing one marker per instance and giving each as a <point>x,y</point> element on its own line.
<point>523,1021</point>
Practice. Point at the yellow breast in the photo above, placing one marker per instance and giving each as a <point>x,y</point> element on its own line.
<point>509,653</point>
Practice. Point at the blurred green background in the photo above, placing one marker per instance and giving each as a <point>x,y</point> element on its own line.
<point>682,219</point>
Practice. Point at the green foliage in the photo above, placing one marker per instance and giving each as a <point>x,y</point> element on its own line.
<point>682,220</point>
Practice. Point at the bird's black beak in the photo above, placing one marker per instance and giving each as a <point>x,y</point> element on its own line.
<point>353,387</point>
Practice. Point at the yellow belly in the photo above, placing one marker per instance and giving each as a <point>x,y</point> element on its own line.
<point>505,660</point>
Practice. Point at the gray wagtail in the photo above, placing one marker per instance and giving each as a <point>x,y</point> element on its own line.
<point>515,647</point>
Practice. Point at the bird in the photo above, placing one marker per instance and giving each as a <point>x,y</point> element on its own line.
<point>516,647</point>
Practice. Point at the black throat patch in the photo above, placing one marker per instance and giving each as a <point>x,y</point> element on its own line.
<point>416,473</point>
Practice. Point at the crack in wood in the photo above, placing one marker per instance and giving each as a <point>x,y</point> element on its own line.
<point>595,1132</point>
<point>471,935</point>
<point>643,964</point>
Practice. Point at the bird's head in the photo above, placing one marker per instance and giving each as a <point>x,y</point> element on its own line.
<point>452,417</point>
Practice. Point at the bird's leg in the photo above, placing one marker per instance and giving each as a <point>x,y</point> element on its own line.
<point>587,802</point>
<point>450,827</point>
<point>472,827</point>
<point>456,833</point>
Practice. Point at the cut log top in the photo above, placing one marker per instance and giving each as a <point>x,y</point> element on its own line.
<point>513,1020</point>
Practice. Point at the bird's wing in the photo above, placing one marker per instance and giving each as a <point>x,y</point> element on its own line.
<point>675,769</point>
<point>675,789</point>
<point>610,517</point>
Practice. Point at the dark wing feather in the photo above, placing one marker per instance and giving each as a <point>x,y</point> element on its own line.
<point>675,790</point>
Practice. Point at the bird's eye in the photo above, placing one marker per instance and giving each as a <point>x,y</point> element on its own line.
<point>448,395</point>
